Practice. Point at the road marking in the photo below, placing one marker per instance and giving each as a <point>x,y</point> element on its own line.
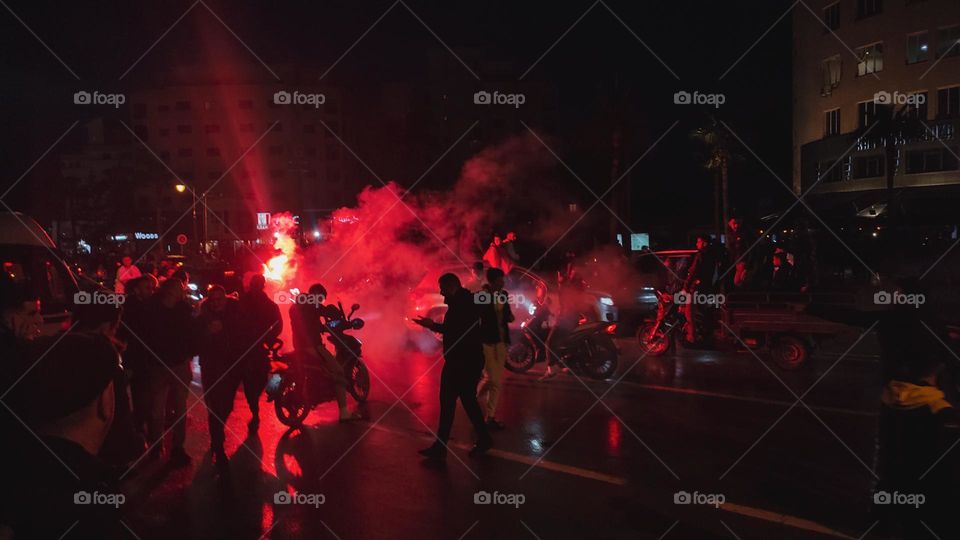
<point>743,510</point>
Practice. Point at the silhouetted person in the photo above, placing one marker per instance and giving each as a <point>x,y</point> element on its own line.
<point>262,322</point>
<point>56,487</point>
<point>784,277</point>
<point>221,342</point>
<point>495,316</point>
<point>125,272</point>
<point>135,324</point>
<point>463,363</point>
<point>169,340</point>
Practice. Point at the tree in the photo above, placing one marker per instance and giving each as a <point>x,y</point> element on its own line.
<point>721,148</point>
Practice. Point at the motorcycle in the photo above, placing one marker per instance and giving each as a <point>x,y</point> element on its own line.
<point>588,349</point>
<point>296,390</point>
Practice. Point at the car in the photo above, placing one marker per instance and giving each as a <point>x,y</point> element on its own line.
<point>522,283</point>
<point>31,259</point>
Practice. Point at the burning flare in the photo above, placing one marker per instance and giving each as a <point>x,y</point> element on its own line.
<point>281,268</point>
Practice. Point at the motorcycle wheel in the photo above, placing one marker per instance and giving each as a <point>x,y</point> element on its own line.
<point>360,382</point>
<point>651,345</point>
<point>290,410</point>
<point>520,357</point>
<point>599,357</point>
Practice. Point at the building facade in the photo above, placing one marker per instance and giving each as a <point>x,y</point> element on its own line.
<point>865,71</point>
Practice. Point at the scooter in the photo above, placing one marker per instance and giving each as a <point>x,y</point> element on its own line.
<point>297,389</point>
<point>588,349</point>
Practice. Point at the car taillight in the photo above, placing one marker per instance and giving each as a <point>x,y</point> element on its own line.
<point>612,329</point>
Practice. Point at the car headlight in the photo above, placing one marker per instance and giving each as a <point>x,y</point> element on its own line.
<point>606,300</point>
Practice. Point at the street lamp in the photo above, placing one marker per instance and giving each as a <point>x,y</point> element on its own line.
<point>197,199</point>
<point>180,188</point>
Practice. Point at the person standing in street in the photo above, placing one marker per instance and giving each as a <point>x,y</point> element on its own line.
<point>463,363</point>
<point>219,339</point>
<point>263,322</point>
<point>125,273</point>
<point>495,315</point>
<point>169,339</point>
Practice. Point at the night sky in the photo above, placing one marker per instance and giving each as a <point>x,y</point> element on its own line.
<point>599,71</point>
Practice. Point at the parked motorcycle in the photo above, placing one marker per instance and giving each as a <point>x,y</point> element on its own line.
<point>588,349</point>
<point>297,389</point>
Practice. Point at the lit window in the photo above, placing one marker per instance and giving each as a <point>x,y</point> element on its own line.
<point>871,59</point>
<point>918,47</point>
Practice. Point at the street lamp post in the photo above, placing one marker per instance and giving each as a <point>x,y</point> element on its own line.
<point>202,201</point>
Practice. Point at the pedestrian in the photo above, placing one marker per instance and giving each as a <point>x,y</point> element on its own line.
<point>136,322</point>
<point>125,273</point>
<point>571,306</point>
<point>495,316</point>
<point>463,363</point>
<point>66,401</point>
<point>170,342</point>
<point>264,323</point>
<point>220,338</point>
<point>493,257</point>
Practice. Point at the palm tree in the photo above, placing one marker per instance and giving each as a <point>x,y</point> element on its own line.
<point>721,148</point>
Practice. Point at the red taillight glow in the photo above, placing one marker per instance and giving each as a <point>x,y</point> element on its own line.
<point>612,328</point>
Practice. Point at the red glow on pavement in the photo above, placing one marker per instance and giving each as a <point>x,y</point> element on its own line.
<point>613,436</point>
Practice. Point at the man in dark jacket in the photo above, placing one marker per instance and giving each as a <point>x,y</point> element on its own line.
<point>495,315</point>
<point>463,363</point>
<point>54,484</point>
<point>220,341</point>
<point>263,322</point>
<point>169,339</point>
<point>137,320</point>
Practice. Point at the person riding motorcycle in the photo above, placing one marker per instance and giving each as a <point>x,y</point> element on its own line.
<point>309,349</point>
<point>700,278</point>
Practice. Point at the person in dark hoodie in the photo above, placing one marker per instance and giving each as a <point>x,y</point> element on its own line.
<point>915,469</point>
<point>463,363</point>
<point>263,322</point>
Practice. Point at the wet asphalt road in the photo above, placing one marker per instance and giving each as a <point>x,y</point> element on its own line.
<point>578,458</point>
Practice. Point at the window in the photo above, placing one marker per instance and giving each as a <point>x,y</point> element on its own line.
<point>866,8</point>
<point>948,102</point>
<point>831,71</point>
<point>868,167</point>
<point>933,160</point>
<point>919,106</point>
<point>831,16</point>
<point>831,123</point>
<point>213,151</point>
<point>141,132</point>
<point>211,128</point>
<point>246,103</point>
<point>246,127</point>
<point>948,41</point>
<point>185,152</point>
<point>918,47</point>
<point>184,129</point>
<point>866,113</point>
<point>871,59</point>
<point>139,110</point>
<point>183,106</point>
<point>830,171</point>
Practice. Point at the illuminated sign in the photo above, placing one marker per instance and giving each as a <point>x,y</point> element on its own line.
<point>263,221</point>
<point>146,236</point>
